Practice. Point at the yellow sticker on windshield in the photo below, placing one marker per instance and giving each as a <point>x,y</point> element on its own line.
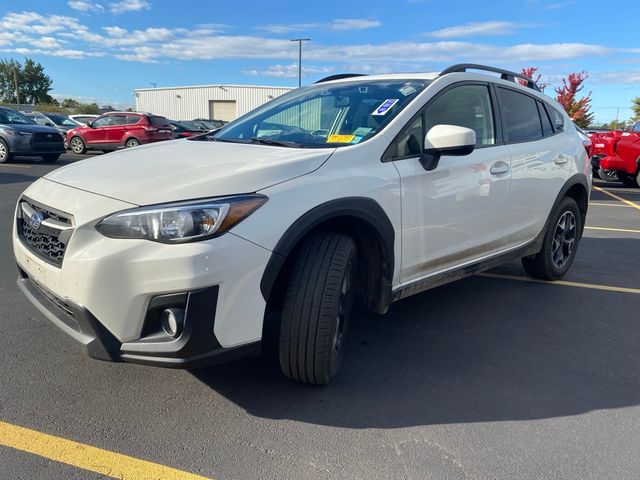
<point>340,138</point>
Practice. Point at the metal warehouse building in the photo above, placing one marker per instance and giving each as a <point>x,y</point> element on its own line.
<point>219,102</point>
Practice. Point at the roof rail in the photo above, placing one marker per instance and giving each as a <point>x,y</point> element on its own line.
<point>340,76</point>
<point>504,74</point>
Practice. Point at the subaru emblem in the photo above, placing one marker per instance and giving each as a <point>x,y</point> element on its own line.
<point>36,220</point>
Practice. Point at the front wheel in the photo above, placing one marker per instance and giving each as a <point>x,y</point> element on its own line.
<point>317,308</point>
<point>132,142</point>
<point>559,245</point>
<point>77,145</point>
<point>5,154</point>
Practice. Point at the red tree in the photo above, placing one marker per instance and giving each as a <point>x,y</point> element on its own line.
<point>529,72</point>
<point>578,110</point>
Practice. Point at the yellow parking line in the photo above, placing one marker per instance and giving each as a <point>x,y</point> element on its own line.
<point>83,456</point>
<point>564,283</point>
<point>608,229</point>
<point>620,199</point>
<point>598,204</point>
<point>14,166</point>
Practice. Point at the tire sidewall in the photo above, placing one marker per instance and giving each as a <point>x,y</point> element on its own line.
<point>75,140</point>
<point>132,142</point>
<point>7,154</point>
<point>567,204</point>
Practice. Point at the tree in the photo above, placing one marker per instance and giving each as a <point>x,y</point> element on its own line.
<point>636,108</point>
<point>33,84</point>
<point>90,108</point>
<point>529,72</point>
<point>70,103</point>
<point>577,109</point>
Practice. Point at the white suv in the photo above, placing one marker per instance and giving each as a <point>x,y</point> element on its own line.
<point>356,188</point>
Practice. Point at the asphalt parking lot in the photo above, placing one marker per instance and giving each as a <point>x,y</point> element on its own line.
<point>494,376</point>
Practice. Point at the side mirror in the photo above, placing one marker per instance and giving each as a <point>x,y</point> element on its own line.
<point>446,140</point>
<point>90,124</point>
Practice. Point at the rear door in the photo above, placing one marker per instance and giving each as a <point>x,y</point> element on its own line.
<point>116,131</point>
<point>455,213</point>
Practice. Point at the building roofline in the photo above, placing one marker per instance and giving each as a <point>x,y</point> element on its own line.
<point>215,85</point>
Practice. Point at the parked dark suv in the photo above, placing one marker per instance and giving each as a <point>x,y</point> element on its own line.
<point>117,130</point>
<point>20,135</point>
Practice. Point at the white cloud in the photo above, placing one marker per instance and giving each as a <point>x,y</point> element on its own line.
<point>287,71</point>
<point>129,6</point>
<point>477,29</point>
<point>339,24</point>
<point>354,24</point>
<point>84,6</point>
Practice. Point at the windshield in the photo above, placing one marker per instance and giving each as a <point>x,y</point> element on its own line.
<point>62,120</point>
<point>11,117</point>
<point>325,115</point>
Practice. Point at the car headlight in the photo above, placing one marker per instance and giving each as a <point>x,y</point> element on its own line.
<point>181,222</point>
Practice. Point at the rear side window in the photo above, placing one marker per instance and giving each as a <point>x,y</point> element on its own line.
<point>118,119</point>
<point>557,118</point>
<point>133,119</point>
<point>159,121</point>
<point>521,117</point>
<point>547,129</point>
<point>636,127</point>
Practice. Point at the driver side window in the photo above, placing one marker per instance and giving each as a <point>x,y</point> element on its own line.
<point>102,122</point>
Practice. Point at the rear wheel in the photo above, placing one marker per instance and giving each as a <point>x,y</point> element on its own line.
<point>5,154</point>
<point>317,308</point>
<point>559,245</point>
<point>608,175</point>
<point>77,145</point>
<point>628,180</point>
<point>51,158</point>
<point>132,142</point>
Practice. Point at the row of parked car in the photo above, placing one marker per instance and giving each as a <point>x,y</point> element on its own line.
<point>615,155</point>
<point>48,135</point>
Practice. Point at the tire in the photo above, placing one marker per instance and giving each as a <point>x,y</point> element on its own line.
<point>317,308</point>
<point>132,142</point>
<point>77,146</point>
<point>559,245</point>
<point>628,180</point>
<point>608,175</point>
<point>51,158</point>
<point>5,154</point>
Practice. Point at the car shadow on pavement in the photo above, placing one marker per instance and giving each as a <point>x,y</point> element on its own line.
<point>481,349</point>
<point>7,178</point>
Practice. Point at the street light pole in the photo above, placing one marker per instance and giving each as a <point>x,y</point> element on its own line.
<point>15,81</point>
<point>300,40</point>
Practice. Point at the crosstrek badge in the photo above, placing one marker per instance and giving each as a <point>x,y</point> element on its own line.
<point>340,138</point>
<point>385,106</point>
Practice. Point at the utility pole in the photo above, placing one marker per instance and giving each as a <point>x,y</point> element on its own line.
<point>300,40</point>
<point>15,82</point>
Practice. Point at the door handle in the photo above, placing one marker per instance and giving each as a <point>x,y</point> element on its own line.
<point>560,160</point>
<point>499,168</point>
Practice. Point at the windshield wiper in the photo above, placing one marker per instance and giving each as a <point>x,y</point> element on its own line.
<point>277,143</point>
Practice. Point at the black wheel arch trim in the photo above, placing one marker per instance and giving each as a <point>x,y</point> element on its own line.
<point>363,208</point>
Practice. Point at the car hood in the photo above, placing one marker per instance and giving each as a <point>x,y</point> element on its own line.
<point>185,169</point>
<point>27,128</point>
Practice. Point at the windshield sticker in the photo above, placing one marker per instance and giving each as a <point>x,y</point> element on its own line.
<point>362,131</point>
<point>340,138</point>
<point>356,139</point>
<point>385,106</point>
<point>407,90</point>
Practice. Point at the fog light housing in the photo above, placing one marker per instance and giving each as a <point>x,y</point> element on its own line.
<point>172,320</point>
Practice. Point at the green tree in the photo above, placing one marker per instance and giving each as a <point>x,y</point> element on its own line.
<point>636,108</point>
<point>33,84</point>
<point>70,103</point>
<point>90,108</point>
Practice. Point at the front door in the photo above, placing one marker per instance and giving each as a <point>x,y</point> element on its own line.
<point>97,133</point>
<point>453,214</point>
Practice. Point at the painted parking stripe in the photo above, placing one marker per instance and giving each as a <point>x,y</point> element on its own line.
<point>86,457</point>
<point>598,204</point>
<point>14,166</point>
<point>620,199</point>
<point>593,286</point>
<point>609,229</point>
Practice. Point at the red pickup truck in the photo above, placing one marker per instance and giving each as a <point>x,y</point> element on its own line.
<point>619,152</point>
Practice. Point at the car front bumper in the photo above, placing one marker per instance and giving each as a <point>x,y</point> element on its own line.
<point>105,291</point>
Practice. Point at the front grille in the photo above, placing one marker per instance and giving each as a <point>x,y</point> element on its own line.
<point>43,137</point>
<point>44,231</point>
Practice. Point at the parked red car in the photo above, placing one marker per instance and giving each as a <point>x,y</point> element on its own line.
<point>117,130</point>
<point>619,152</point>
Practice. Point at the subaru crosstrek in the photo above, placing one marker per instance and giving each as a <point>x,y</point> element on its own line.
<point>356,188</point>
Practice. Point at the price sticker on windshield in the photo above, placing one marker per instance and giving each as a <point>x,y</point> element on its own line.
<point>385,106</point>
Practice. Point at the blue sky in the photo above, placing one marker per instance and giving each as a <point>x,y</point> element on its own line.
<point>101,50</point>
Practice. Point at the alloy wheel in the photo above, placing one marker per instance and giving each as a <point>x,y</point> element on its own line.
<point>564,239</point>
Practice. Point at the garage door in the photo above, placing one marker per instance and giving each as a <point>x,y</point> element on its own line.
<point>222,110</point>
